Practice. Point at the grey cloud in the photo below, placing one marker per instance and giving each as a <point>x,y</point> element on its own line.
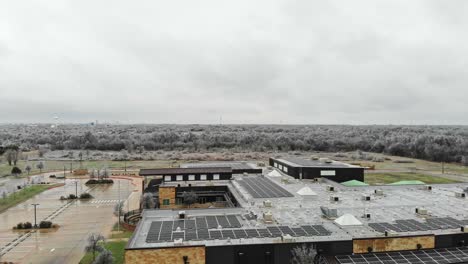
<point>355,62</point>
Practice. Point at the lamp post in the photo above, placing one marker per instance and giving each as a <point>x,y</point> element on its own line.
<point>35,218</point>
<point>118,209</point>
<point>76,189</point>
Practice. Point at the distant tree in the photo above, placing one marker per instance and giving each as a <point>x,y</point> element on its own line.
<point>94,244</point>
<point>118,208</point>
<point>303,255</point>
<point>80,156</point>
<point>28,168</point>
<point>12,156</point>
<point>104,173</point>
<point>105,257</point>
<point>92,174</point>
<point>147,201</point>
<point>16,171</point>
<point>464,160</point>
<point>189,198</point>
<point>40,166</point>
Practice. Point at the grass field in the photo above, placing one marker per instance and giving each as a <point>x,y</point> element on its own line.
<point>386,178</point>
<point>116,247</point>
<point>22,195</point>
<point>54,165</point>
<point>123,233</point>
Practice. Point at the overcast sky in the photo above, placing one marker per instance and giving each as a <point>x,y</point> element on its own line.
<point>262,61</point>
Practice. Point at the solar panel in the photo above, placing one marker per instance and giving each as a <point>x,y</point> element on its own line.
<point>178,235</point>
<point>215,234</point>
<point>412,225</point>
<point>233,221</point>
<point>252,233</point>
<point>433,256</point>
<point>261,187</point>
<point>228,234</point>
<point>240,233</point>
<point>179,224</point>
<point>263,232</point>
<point>211,222</point>
<point>190,224</point>
<point>201,222</point>
<point>203,234</point>
<point>222,220</point>
<point>191,234</point>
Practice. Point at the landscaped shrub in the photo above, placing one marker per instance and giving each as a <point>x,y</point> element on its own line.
<point>103,181</point>
<point>19,226</point>
<point>45,224</point>
<point>16,171</point>
<point>86,196</point>
<point>72,196</point>
<point>27,225</point>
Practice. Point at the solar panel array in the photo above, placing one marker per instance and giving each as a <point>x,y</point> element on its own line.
<point>433,256</point>
<point>203,228</point>
<point>261,187</point>
<point>412,225</point>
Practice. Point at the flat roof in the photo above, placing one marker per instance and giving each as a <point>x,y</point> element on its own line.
<point>394,209</point>
<point>176,171</point>
<point>234,165</point>
<point>303,162</point>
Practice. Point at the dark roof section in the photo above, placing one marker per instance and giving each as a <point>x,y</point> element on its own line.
<point>237,167</point>
<point>178,171</point>
<point>302,162</point>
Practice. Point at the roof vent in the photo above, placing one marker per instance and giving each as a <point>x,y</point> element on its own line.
<point>428,188</point>
<point>367,216</point>
<point>365,197</point>
<point>314,158</point>
<point>379,192</point>
<point>330,188</point>
<point>287,238</point>
<point>268,217</point>
<point>334,199</point>
<point>267,203</point>
<point>460,195</point>
<point>181,214</point>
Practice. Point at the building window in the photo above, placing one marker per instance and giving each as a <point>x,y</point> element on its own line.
<point>327,173</point>
<point>215,176</point>
<point>203,177</point>
<point>285,169</point>
<point>275,164</point>
<point>180,178</point>
<point>166,202</point>
<point>167,178</point>
<point>179,201</point>
<point>191,177</point>
<point>281,167</point>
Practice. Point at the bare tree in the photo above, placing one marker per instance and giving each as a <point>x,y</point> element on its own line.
<point>40,166</point>
<point>28,168</point>
<point>118,208</point>
<point>12,156</point>
<point>147,201</point>
<point>105,257</point>
<point>80,155</point>
<point>94,244</point>
<point>303,255</point>
<point>189,198</point>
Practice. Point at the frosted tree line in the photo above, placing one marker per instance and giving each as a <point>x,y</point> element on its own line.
<point>435,143</point>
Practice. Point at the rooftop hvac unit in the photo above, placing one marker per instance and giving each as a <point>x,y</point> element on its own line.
<point>428,188</point>
<point>268,217</point>
<point>464,229</point>
<point>325,160</point>
<point>378,192</point>
<point>317,179</point>
<point>421,211</point>
<point>329,212</point>
<point>267,203</point>
<point>314,158</point>
<point>390,233</point>
<point>367,216</point>
<point>334,199</point>
<point>330,188</point>
<point>365,197</point>
<point>460,194</point>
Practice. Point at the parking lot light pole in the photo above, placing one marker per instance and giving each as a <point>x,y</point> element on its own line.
<point>35,218</point>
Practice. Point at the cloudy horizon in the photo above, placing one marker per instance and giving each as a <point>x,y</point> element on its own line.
<point>265,62</point>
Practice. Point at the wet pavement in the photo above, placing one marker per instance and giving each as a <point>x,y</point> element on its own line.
<point>77,220</point>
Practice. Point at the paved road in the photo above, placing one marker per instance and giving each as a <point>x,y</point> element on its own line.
<point>77,220</point>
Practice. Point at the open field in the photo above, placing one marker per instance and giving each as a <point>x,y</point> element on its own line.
<point>116,247</point>
<point>391,177</point>
<point>23,195</point>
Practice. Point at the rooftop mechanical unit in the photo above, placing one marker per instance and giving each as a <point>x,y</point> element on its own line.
<point>421,211</point>
<point>460,195</point>
<point>334,199</point>
<point>267,203</point>
<point>365,197</point>
<point>330,188</point>
<point>329,212</point>
<point>378,192</point>
<point>428,188</point>
<point>464,229</point>
<point>367,216</point>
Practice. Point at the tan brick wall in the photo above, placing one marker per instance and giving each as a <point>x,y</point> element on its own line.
<point>393,244</point>
<point>196,255</point>
<point>167,193</point>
